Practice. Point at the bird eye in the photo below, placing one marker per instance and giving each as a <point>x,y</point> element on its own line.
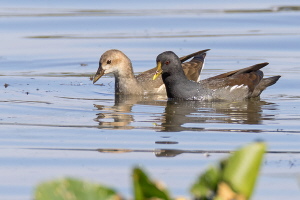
<point>167,62</point>
<point>108,62</point>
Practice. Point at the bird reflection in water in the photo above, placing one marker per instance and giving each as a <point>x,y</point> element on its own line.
<point>165,152</point>
<point>182,113</point>
<point>121,116</point>
<point>176,116</point>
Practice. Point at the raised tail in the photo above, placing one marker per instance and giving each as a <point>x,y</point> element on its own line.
<point>193,68</point>
<point>199,58</point>
<point>263,84</point>
<point>185,58</point>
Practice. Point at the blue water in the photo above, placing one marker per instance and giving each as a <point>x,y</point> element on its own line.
<point>54,122</point>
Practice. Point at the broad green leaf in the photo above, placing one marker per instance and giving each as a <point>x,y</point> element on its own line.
<point>242,168</point>
<point>226,193</point>
<point>144,188</point>
<point>72,189</point>
<point>206,185</point>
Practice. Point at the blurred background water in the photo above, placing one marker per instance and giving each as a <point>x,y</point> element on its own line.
<point>54,122</point>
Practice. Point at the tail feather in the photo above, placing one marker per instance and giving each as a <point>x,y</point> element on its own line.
<point>193,68</point>
<point>264,83</point>
<point>185,58</point>
<point>199,58</point>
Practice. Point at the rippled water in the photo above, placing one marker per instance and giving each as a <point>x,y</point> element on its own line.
<point>54,122</point>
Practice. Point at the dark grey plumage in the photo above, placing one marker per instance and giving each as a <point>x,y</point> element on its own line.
<point>235,85</point>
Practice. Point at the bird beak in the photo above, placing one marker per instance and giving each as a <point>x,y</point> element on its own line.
<point>158,72</point>
<point>99,74</point>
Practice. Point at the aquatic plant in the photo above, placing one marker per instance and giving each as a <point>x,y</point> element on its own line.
<point>232,178</point>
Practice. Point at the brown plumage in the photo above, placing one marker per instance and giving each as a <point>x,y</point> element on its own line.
<point>116,62</point>
<point>250,76</point>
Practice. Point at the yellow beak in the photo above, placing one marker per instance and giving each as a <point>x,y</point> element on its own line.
<point>158,72</point>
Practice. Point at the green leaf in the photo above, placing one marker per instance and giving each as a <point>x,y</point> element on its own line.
<point>235,176</point>
<point>206,185</point>
<point>242,168</point>
<point>72,189</point>
<point>144,188</point>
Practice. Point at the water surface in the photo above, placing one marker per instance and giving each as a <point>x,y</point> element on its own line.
<point>54,122</point>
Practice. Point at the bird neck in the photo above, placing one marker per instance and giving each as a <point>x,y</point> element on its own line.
<point>125,70</point>
<point>125,85</point>
<point>174,78</point>
<point>125,81</point>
